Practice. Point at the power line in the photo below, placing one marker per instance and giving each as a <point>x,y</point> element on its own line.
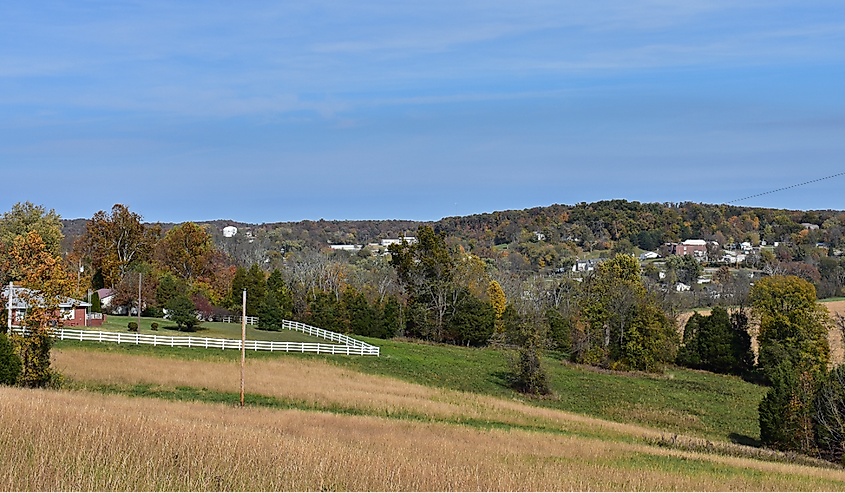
<point>786,188</point>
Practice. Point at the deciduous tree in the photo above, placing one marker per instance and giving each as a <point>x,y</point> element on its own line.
<point>46,285</point>
<point>791,323</point>
<point>26,217</point>
<point>186,250</point>
<point>114,240</point>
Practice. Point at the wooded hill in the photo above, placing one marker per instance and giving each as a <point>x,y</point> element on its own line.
<point>549,234</point>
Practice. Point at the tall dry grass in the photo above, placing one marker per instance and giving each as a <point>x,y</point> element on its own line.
<point>322,385</point>
<point>79,441</point>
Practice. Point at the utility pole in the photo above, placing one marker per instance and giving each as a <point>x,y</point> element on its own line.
<point>139,301</point>
<point>243,347</point>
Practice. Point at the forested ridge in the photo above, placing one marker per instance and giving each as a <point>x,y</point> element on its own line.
<point>593,226</point>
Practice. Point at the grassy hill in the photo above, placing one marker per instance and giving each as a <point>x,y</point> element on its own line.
<point>217,330</point>
<point>420,417</point>
<point>680,400</point>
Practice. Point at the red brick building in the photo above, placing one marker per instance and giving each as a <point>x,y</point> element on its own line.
<point>73,313</point>
<point>697,248</point>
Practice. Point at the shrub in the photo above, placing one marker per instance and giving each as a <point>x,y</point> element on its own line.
<point>10,363</point>
<point>154,326</point>
<point>153,312</point>
<point>182,311</point>
<point>133,326</point>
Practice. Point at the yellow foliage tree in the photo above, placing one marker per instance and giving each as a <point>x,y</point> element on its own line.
<point>497,298</point>
<point>45,286</point>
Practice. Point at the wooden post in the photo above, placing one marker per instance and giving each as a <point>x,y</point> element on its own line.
<point>139,302</point>
<point>243,347</point>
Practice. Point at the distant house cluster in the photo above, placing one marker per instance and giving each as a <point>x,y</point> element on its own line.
<point>376,248</point>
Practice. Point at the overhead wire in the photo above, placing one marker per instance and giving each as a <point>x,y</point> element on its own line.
<point>786,188</point>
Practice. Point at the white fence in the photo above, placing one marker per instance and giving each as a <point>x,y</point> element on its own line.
<point>347,345</point>
<point>249,320</point>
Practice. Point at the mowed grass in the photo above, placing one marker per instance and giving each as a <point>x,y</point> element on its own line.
<point>681,401</point>
<point>217,330</point>
<point>81,441</point>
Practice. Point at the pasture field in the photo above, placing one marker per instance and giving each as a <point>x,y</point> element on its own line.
<point>217,330</point>
<point>74,440</point>
<point>420,417</point>
<point>167,421</point>
<point>681,401</point>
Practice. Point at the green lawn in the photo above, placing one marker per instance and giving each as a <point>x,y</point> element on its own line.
<point>218,330</point>
<point>679,400</point>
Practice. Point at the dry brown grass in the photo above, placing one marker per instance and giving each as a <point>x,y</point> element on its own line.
<point>80,441</point>
<point>323,385</point>
<point>834,337</point>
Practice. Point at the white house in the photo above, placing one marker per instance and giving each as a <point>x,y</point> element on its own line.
<point>230,231</point>
<point>347,248</point>
<point>398,241</point>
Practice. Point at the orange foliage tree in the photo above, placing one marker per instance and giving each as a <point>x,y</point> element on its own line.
<point>116,240</point>
<point>45,284</point>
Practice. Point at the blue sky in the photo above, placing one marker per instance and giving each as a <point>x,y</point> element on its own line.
<point>275,111</point>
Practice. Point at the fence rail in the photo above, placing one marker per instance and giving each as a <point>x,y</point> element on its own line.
<point>249,320</point>
<point>347,345</point>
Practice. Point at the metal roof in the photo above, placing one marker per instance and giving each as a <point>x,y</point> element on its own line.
<point>18,303</point>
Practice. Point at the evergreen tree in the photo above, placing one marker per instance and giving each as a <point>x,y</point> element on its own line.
<point>239,282</point>
<point>181,310</point>
<point>473,323</point>
<point>270,313</point>
<point>10,363</point>
<point>96,304</point>
<point>168,288</point>
<point>255,283</point>
<point>97,280</point>
<point>256,288</point>
<point>719,343</point>
<point>361,318</point>
<point>560,330</point>
<point>527,335</point>
<point>326,312</point>
<point>391,317</point>
<point>276,285</point>
<point>788,409</point>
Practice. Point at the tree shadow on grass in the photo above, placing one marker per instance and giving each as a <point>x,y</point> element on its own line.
<point>744,440</point>
<point>502,378</point>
